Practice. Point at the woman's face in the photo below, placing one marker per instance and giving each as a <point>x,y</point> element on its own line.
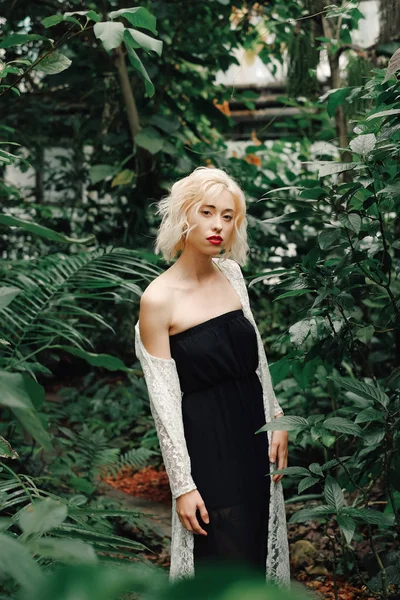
<point>214,224</point>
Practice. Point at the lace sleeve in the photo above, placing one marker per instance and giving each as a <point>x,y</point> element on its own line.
<point>263,365</point>
<point>166,408</point>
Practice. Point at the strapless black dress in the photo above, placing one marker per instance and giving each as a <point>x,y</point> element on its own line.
<point>222,407</point>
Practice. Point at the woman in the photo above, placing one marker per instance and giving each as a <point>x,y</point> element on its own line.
<point>209,385</point>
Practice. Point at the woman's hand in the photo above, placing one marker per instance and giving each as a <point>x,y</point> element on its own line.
<point>279,449</point>
<point>186,507</point>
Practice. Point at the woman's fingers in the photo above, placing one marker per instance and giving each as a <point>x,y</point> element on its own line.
<point>196,526</point>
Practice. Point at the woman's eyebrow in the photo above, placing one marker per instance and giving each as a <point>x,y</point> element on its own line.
<point>212,206</point>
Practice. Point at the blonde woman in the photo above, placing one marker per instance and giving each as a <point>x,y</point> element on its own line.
<point>209,385</point>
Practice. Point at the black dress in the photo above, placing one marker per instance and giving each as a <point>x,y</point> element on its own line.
<point>222,407</point>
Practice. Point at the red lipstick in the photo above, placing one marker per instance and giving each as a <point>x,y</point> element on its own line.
<point>216,240</point>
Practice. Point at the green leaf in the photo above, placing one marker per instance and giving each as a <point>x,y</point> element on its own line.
<point>91,15</point>
<point>101,172</point>
<point>53,63</point>
<point>138,17</point>
<point>293,293</point>
<point>5,449</point>
<point>343,426</point>
<point>384,113</point>
<point>328,237</point>
<point>365,390</point>
<point>306,483</point>
<point>138,65</point>
<point>42,516</point>
<point>169,124</point>
<point>7,295</point>
<point>64,550</point>
<point>393,66</point>
<point>16,39</point>
<point>150,139</point>
<point>42,231</point>
<point>123,178</point>
<point>369,414</point>
<point>309,514</point>
<point>293,471</point>
<point>332,167</point>
<point>143,41</point>
<point>19,393</point>
<point>369,515</point>
<point>333,493</point>
<point>347,526</point>
<point>52,20</point>
<point>336,99</point>
<point>363,144</point>
<point>364,334</point>
<point>111,34</point>
<point>351,221</point>
<point>82,485</point>
<point>284,423</point>
<point>316,469</point>
<point>16,562</point>
<point>112,363</point>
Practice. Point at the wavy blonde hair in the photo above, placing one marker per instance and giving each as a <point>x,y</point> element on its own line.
<point>190,192</point>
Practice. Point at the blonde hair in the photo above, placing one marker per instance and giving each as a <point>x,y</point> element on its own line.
<point>189,192</point>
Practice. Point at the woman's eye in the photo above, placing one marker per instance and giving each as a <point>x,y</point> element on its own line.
<point>228,217</point>
<point>206,212</point>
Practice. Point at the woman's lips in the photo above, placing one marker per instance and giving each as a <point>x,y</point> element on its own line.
<point>215,241</point>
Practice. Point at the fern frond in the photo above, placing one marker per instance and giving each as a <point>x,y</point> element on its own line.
<point>46,311</point>
<point>135,459</point>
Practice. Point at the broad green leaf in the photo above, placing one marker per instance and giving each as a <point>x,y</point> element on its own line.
<point>365,390</point>
<point>16,39</point>
<point>42,516</point>
<point>5,449</point>
<point>293,471</point>
<point>101,172</point>
<point>384,113</point>
<point>150,139</point>
<point>332,168</point>
<point>369,414</point>
<point>363,144</point>
<point>316,469</point>
<point>369,515</point>
<point>42,231</point>
<point>299,331</point>
<point>123,178</point>
<point>89,14</point>
<point>138,17</point>
<point>343,426</point>
<point>111,34</point>
<point>52,20</point>
<point>351,221</point>
<point>169,124</point>
<point>7,295</point>
<point>112,363</point>
<point>347,525</point>
<point>53,63</point>
<point>309,514</point>
<point>143,41</point>
<point>333,493</point>
<point>306,483</point>
<point>328,237</point>
<point>393,66</point>
<point>17,562</point>
<point>19,392</point>
<point>374,435</point>
<point>64,550</point>
<point>293,293</point>
<point>82,485</point>
<point>284,423</point>
<point>138,65</point>
<point>364,334</point>
<point>337,98</point>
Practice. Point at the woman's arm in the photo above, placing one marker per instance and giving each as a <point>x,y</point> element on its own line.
<point>165,396</point>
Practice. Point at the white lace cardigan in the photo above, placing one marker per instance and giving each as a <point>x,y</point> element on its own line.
<point>165,395</point>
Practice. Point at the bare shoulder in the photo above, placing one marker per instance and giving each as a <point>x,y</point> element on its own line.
<point>155,313</point>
